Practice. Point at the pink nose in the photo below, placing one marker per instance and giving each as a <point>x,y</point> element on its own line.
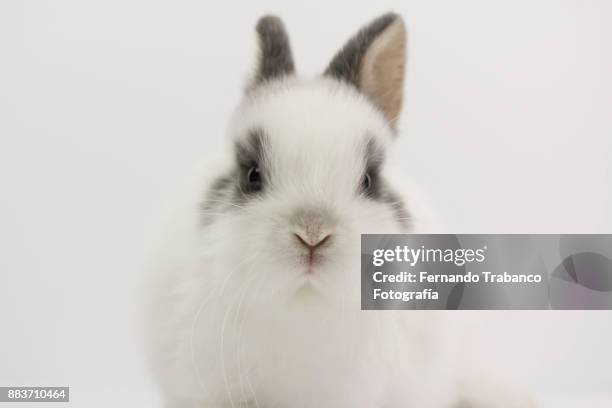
<point>312,242</point>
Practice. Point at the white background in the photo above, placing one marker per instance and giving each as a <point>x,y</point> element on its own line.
<point>105,107</point>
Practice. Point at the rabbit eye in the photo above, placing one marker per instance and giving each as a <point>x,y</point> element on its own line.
<point>254,178</point>
<point>366,183</point>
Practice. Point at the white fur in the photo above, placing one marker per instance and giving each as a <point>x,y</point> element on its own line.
<point>231,319</point>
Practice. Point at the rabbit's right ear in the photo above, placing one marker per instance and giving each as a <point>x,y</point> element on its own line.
<point>275,59</point>
<point>374,61</point>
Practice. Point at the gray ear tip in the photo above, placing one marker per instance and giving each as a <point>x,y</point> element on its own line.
<point>270,23</point>
<point>391,15</point>
<point>389,18</point>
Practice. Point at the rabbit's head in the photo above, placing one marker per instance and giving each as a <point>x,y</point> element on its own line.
<point>307,176</point>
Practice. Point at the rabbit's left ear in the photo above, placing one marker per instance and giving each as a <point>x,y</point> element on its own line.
<point>275,59</point>
<point>374,60</point>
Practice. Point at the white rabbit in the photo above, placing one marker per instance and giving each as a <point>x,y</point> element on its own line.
<point>253,298</point>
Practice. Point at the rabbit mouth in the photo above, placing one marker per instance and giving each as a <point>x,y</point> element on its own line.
<point>312,262</point>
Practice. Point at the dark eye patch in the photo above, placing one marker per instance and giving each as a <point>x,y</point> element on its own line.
<point>374,187</point>
<point>250,159</point>
<point>370,179</point>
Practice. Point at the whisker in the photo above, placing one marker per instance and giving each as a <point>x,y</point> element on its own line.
<point>223,328</point>
<point>239,329</point>
<point>224,202</point>
<point>195,320</point>
<point>240,335</point>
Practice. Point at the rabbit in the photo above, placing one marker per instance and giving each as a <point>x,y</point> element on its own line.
<point>252,298</point>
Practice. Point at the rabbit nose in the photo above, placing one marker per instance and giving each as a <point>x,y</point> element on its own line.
<point>312,227</point>
<point>312,242</point>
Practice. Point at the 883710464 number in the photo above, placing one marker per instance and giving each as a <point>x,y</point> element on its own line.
<point>34,394</point>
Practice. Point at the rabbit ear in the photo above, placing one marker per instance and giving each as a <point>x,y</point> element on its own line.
<point>374,61</point>
<point>275,59</point>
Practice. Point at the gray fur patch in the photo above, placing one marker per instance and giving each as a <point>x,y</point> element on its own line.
<point>345,66</point>
<point>218,198</point>
<point>375,155</point>
<point>392,199</point>
<point>275,58</point>
<point>250,151</point>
